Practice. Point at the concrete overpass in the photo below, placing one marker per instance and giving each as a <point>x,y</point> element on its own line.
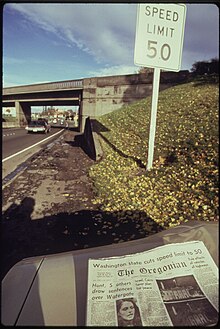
<point>94,96</point>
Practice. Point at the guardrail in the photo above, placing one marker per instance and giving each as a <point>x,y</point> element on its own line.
<point>10,125</point>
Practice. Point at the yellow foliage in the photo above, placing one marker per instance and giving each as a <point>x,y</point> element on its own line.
<point>183,184</point>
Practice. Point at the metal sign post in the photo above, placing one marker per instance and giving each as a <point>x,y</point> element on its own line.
<point>153,119</point>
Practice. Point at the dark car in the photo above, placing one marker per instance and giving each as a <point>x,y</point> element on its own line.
<point>42,119</point>
<point>38,126</point>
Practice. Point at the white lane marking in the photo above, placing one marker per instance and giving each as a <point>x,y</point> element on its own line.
<point>29,147</point>
<point>8,135</point>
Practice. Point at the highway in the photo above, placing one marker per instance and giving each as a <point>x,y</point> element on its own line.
<point>18,146</point>
<point>17,139</point>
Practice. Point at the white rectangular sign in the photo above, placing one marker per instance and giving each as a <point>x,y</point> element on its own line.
<point>159,35</point>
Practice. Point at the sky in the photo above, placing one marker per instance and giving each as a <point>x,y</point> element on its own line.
<point>44,42</point>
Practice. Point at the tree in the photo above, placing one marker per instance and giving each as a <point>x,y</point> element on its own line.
<point>214,66</point>
<point>206,67</point>
<point>145,70</point>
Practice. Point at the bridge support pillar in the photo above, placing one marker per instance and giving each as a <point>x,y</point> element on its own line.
<point>88,104</point>
<point>23,113</point>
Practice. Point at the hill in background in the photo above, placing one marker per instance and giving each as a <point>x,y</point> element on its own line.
<point>183,183</point>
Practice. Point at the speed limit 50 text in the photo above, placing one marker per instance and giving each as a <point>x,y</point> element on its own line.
<point>160,14</point>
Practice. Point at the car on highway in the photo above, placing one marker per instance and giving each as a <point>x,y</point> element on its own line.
<point>42,119</point>
<point>36,126</point>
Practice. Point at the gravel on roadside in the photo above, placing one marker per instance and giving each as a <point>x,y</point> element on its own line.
<point>48,207</point>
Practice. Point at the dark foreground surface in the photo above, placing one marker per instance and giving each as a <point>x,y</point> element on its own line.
<point>48,207</point>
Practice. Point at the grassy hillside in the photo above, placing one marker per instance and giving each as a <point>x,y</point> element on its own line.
<point>183,183</point>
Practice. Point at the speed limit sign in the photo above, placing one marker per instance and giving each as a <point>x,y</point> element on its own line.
<point>159,35</point>
<point>158,44</point>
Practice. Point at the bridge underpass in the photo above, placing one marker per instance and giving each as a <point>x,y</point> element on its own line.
<point>23,108</point>
<point>94,96</point>
<point>23,98</point>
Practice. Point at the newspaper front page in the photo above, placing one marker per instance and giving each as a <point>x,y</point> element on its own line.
<point>172,285</point>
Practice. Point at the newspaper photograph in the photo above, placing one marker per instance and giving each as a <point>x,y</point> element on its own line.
<point>172,285</point>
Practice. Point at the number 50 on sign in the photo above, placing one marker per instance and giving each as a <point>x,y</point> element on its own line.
<point>159,35</point>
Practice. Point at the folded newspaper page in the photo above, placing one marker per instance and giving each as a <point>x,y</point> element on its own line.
<point>172,285</point>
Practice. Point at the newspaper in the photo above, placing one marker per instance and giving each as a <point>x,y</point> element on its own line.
<point>172,285</point>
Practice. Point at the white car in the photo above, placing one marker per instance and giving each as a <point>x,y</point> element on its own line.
<point>38,126</point>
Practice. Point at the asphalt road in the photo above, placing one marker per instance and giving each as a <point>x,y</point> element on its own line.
<point>18,146</point>
<point>17,139</point>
